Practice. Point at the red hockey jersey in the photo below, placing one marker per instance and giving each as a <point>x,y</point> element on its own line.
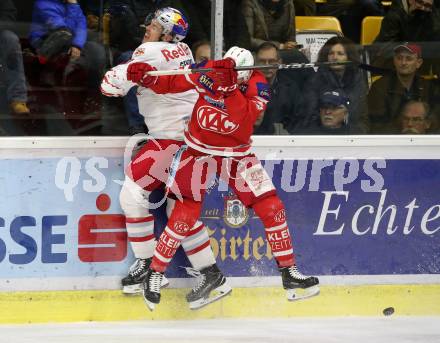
<point>220,125</point>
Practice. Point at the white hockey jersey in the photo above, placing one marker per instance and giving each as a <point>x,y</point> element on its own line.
<point>165,114</point>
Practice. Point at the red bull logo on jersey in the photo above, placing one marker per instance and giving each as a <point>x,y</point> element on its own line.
<point>171,54</point>
<point>215,120</point>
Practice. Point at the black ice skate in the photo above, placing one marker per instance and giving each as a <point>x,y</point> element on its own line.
<point>151,288</point>
<point>132,283</point>
<point>298,286</point>
<point>211,286</point>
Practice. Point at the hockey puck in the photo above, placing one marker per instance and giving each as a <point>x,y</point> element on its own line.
<point>388,311</point>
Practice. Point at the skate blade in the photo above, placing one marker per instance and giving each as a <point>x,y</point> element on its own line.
<point>302,293</point>
<point>215,295</point>
<point>132,289</point>
<point>165,283</point>
<point>137,289</point>
<point>151,306</point>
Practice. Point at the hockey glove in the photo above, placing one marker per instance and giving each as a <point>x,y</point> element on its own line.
<point>222,80</point>
<point>224,74</point>
<point>137,73</point>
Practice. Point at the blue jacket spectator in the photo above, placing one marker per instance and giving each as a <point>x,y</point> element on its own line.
<point>51,15</point>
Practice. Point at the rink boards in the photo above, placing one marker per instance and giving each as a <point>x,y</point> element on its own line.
<point>364,214</point>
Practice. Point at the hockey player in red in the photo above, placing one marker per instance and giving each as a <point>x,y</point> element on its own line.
<point>165,116</point>
<point>218,141</point>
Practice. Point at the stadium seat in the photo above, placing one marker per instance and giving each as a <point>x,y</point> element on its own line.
<point>317,23</point>
<point>313,31</point>
<point>370,29</point>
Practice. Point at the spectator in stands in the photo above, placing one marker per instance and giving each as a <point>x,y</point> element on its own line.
<point>346,79</point>
<point>415,118</point>
<point>235,32</point>
<point>93,10</point>
<point>417,21</point>
<point>284,105</point>
<point>350,14</point>
<point>59,36</point>
<point>93,7</point>
<point>305,7</point>
<point>270,20</point>
<point>388,95</point>
<point>333,116</point>
<point>201,51</point>
<point>127,23</point>
<point>401,4</point>
<point>11,61</point>
<point>60,27</point>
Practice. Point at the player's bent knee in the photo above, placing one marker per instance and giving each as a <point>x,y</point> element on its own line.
<point>270,208</point>
<point>133,199</point>
<point>184,216</point>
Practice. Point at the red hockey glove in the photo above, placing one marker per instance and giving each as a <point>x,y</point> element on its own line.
<point>223,79</point>
<point>137,73</point>
<point>224,74</point>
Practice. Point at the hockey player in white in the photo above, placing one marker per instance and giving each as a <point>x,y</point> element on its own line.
<point>165,117</point>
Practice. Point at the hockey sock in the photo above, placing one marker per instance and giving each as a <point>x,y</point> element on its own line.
<point>196,245</point>
<point>182,219</point>
<point>273,215</point>
<point>198,248</point>
<point>140,231</point>
<point>138,220</point>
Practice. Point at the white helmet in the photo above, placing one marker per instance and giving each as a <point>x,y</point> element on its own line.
<point>173,22</point>
<point>242,57</point>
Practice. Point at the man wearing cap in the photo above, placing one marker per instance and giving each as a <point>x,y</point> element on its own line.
<point>334,116</point>
<point>388,94</point>
<point>419,21</point>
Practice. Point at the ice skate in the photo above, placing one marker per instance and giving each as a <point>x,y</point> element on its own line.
<point>298,286</point>
<point>132,283</point>
<point>211,287</point>
<point>151,288</point>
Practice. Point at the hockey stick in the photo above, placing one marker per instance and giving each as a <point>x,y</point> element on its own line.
<point>261,66</point>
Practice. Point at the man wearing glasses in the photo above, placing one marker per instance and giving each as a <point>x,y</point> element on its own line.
<point>388,95</point>
<point>415,118</point>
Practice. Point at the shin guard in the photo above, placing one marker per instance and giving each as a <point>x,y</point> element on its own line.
<point>273,215</point>
<point>182,219</point>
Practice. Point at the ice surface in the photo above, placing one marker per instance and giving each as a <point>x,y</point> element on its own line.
<point>302,330</point>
